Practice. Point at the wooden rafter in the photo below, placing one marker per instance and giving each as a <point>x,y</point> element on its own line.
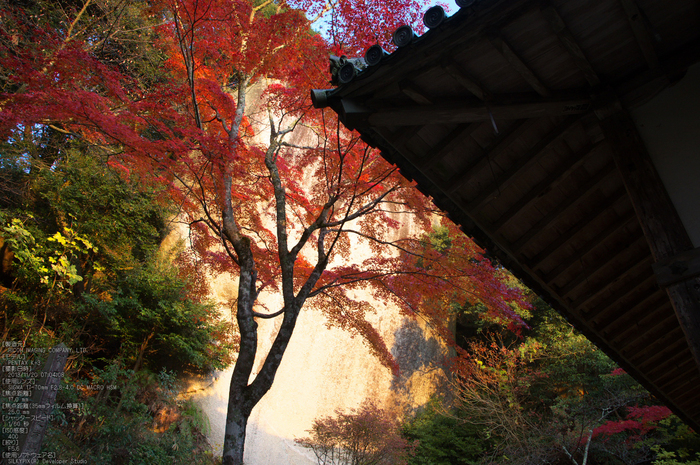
<point>447,144</point>
<point>631,269</point>
<point>681,384</point>
<point>676,377</point>
<point>605,318</point>
<point>671,355</point>
<point>580,225</point>
<point>597,240</point>
<point>641,320</point>
<point>691,400</point>
<point>467,81</point>
<point>615,315</point>
<point>660,222</point>
<point>469,111</point>
<point>570,202</point>
<point>670,381</point>
<point>413,92</point>
<point>553,179</point>
<point>678,364</point>
<point>500,143</point>
<point>641,31</point>
<point>657,358</point>
<point>566,38</point>
<point>653,343</point>
<point>686,387</point>
<point>406,135</point>
<point>668,355</point>
<point>590,271</point>
<point>634,315</point>
<point>517,64</point>
<point>662,317</point>
<point>523,163</point>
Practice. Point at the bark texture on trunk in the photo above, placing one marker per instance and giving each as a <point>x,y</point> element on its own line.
<point>234,436</point>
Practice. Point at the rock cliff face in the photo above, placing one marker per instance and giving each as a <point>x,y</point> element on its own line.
<point>323,369</point>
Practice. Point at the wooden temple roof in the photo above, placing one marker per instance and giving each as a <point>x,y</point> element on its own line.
<point>513,116</point>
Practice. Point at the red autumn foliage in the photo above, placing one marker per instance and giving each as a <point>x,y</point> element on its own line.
<point>639,421</point>
<point>368,435</point>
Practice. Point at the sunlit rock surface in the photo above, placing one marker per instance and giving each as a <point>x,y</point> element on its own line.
<point>324,370</point>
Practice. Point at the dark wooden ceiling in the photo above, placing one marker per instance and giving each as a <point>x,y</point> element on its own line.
<point>498,115</point>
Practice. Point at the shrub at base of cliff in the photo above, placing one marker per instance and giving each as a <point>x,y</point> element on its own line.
<point>365,436</point>
<point>127,417</point>
<point>443,438</point>
<point>150,320</point>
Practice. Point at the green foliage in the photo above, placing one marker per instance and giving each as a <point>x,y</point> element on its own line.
<point>664,457</point>
<point>48,262</point>
<point>87,269</point>
<point>125,219</point>
<point>443,438</point>
<point>682,445</point>
<point>150,315</point>
<point>127,417</point>
<point>85,246</point>
<point>440,239</point>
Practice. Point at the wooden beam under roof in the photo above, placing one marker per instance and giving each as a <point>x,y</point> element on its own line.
<point>669,381</point>
<point>640,28</point>
<point>640,293</point>
<point>523,163</point>
<point>500,143</point>
<point>469,111</point>
<point>553,179</point>
<point>571,201</point>
<point>614,258</point>
<point>447,144</point>
<point>597,240</point>
<point>673,363</point>
<point>517,63</point>
<point>660,222</point>
<point>607,315</point>
<point>592,270</point>
<point>566,38</point>
<point>580,225</point>
<point>412,91</point>
<point>658,315</point>
<point>632,318</point>
<point>653,360</point>
<point>670,354</point>
<point>636,270</point>
<point>641,348</point>
<point>467,81</point>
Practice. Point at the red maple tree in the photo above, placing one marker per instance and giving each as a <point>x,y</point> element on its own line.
<point>282,213</point>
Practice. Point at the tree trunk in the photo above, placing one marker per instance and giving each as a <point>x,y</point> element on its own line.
<point>243,396</point>
<point>142,350</point>
<point>234,436</point>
